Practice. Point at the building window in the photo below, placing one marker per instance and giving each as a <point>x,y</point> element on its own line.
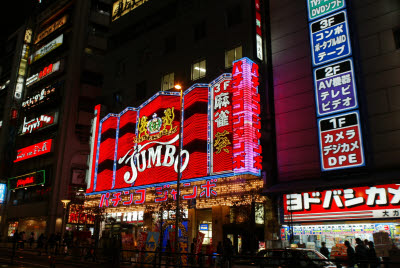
<point>198,70</point>
<point>141,90</point>
<point>205,227</point>
<point>170,44</point>
<point>232,55</point>
<point>199,30</point>
<point>167,82</point>
<point>234,16</point>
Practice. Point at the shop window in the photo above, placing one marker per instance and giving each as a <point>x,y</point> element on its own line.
<point>167,82</point>
<point>205,227</point>
<point>232,55</point>
<point>198,70</point>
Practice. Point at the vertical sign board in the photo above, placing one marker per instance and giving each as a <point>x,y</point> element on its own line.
<point>340,141</point>
<point>259,42</point>
<point>330,38</point>
<point>335,88</point>
<point>319,8</point>
<point>3,190</point>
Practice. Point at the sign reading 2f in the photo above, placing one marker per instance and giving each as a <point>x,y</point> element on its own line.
<point>330,38</point>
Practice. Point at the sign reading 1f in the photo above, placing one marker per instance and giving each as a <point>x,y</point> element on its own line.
<point>319,8</point>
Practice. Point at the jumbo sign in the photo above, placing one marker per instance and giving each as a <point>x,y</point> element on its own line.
<point>218,134</point>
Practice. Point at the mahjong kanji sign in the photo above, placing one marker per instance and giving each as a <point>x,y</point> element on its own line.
<point>371,202</point>
<point>216,125</point>
<point>335,88</point>
<point>340,141</point>
<point>319,8</point>
<point>330,38</point>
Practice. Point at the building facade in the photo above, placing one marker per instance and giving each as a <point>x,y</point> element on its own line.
<point>51,96</point>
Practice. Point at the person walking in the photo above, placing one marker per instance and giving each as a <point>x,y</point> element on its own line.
<point>372,258</point>
<point>361,254</point>
<point>350,255</point>
<point>324,250</point>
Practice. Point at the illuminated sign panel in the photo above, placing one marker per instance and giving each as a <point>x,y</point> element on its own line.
<point>259,42</point>
<point>56,25</point>
<point>318,8</point>
<point>54,67</point>
<point>78,215</point>
<point>39,123</point>
<point>27,180</point>
<point>340,141</point>
<point>139,147</point>
<point>381,201</point>
<point>41,97</point>
<point>37,149</point>
<point>46,49</point>
<point>330,38</point>
<point>122,7</point>
<point>3,191</point>
<point>335,88</point>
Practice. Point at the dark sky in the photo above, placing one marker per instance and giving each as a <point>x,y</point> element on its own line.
<point>13,14</point>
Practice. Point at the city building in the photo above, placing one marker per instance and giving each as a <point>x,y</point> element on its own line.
<point>50,89</point>
<point>336,101</point>
<point>202,46</point>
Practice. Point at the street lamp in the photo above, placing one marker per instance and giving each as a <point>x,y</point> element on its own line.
<point>65,203</point>
<point>177,212</point>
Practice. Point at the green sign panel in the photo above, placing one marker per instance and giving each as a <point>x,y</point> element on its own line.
<point>318,8</point>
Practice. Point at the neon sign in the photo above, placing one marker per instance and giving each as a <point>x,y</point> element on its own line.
<point>219,130</point>
<point>46,49</point>
<point>54,67</point>
<point>39,123</point>
<point>381,201</point>
<point>27,180</point>
<point>37,149</point>
<point>56,25</point>
<point>39,98</point>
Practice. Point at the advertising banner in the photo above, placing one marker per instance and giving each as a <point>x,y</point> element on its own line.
<point>335,88</point>
<point>52,68</point>
<point>220,121</point>
<point>340,141</point>
<point>38,123</point>
<point>319,8</point>
<point>46,49</point>
<point>27,180</point>
<point>151,245</point>
<point>369,202</point>
<point>56,25</point>
<point>330,38</point>
<point>37,149</point>
<point>43,96</point>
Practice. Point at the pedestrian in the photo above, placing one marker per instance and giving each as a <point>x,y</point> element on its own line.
<point>324,250</point>
<point>372,258</point>
<point>361,254</point>
<point>192,259</point>
<point>31,239</point>
<point>168,253</point>
<point>220,251</point>
<point>351,255</point>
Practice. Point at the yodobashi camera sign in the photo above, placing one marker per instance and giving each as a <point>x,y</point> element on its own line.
<point>340,141</point>
<point>218,132</point>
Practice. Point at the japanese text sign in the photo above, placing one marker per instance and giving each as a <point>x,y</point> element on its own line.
<point>335,88</point>
<point>40,97</point>
<point>46,49</point>
<point>330,39</point>
<point>3,191</point>
<point>27,180</point>
<point>381,201</point>
<point>340,141</point>
<point>38,123</point>
<point>37,149</point>
<point>218,132</point>
<point>319,8</point>
<point>53,27</point>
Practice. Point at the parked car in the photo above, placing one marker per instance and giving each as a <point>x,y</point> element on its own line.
<point>286,258</point>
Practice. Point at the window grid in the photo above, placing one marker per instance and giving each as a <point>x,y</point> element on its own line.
<point>167,82</point>
<point>232,55</point>
<point>198,69</point>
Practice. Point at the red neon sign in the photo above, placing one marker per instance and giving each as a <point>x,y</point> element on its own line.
<point>37,149</point>
<point>380,201</point>
<point>26,181</point>
<point>219,135</point>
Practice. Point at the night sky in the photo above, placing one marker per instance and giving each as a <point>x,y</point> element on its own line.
<point>13,14</point>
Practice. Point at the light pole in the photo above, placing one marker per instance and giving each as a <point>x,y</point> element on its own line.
<point>64,222</point>
<point>177,212</point>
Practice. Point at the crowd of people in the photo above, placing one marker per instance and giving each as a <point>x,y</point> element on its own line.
<point>363,254</point>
